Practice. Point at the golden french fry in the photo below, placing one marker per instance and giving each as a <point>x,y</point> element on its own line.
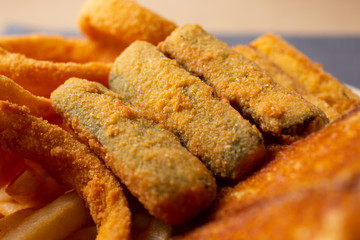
<point>54,221</point>
<point>8,205</point>
<point>11,221</point>
<point>122,20</point>
<point>60,49</point>
<point>85,233</point>
<point>42,77</point>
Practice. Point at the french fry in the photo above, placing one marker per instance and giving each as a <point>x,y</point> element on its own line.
<point>60,49</point>
<point>42,77</point>
<point>54,221</point>
<point>8,205</point>
<point>85,233</point>
<point>34,187</point>
<point>11,221</point>
<point>11,166</point>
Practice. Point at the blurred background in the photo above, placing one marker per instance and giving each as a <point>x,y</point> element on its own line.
<point>328,31</point>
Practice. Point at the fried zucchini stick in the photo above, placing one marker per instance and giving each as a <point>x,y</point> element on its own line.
<point>311,75</point>
<point>39,106</point>
<point>284,79</point>
<point>211,129</point>
<point>122,20</point>
<point>60,49</point>
<point>276,110</point>
<point>328,155</point>
<point>42,77</point>
<point>167,179</point>
<point>70,162</point>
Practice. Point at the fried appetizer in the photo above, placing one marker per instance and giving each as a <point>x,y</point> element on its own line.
<point>324,212</point>
<point>276,110</point>
<point>311,75</point>
<point>285,80</point>
<point>38,106</point>
<point>70,162</point>
<point>211,129</point>
<point>122,20</point>
<point>325,156</point>
<point>167,179</point>
<point>60,49</point>
<point>42,77</point>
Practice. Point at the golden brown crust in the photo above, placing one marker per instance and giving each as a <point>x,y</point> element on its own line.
<point>275,109</point>
<point>123,20</point>
<point>210,128</point>
<point>168,180</point>
<point>325,156</point>
<point>42,77</point>
<point>69,161</point>
<point>284,79</point>
<point>61,49</point>
<point>310,74</point>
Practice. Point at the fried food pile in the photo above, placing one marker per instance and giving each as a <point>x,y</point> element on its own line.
<point>143,129</point>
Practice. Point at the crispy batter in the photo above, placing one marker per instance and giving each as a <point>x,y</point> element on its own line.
<point>69,161</point>
<point>327,155</point>
<point>276,110</point>
<point>311,75</point>
<point>123,20</point>
<point>61,49</point>
<point>38,106</point>
<point>325,212</point>
<point>168,180</point>
<point>42,77</point>
<point>211,129</point>
<point>284,79</point>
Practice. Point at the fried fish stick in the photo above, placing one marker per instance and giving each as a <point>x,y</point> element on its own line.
<point>70,162</point>
<point>168,180</point>
<point>38,106</point>
<point>325,212</point>
<point>123,20</point>
<point>211,129</point>
<point>285,80</point>
<point>311,75</point>
<point>327,155</point>
<point>42,77</point>
<point>60,49</point>
<point>276,110</point>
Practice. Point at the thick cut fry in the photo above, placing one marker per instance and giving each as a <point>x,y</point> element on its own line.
<point>325,212</point>
<point>10,222</point>
<point>123,20</point>
<point>60,49</point>
<point>168,180</point>
<point>9,206</point>
<point>211,129</point>
<point>275,109</point>
<point>331,154</point>
<point>42,77</point>
<point>54,221</point>
<point>311,75</point>
<point>284,79</point>
<point>39,106</point>
<point>70,162</point>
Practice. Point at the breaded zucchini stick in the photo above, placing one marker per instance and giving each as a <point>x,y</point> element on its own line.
<point>42,77</point>
<point>61,49</point>
<point>167,179</point>
<point>329,155</point>
<point>276,110</point>
<point>211,129</point>
<point>122,20</point>
<point>284,79</point>
<point>311,75</point>
<point>70,162</point>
